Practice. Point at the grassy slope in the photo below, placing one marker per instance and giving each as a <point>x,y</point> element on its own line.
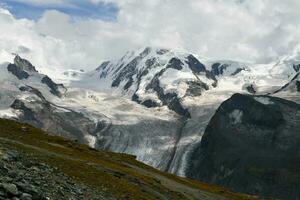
<point>117,175</point>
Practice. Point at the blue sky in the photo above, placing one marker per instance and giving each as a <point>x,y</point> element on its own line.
<point>74,8</point>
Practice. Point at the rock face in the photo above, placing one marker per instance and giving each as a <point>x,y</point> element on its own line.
<point>56,89</point>
<point>24,64</point>
<point>251,145</point>
<point>18,72</point>
<point>296,67</point>
<point>230,69</point>
<point>250,88</point>
<point>21,68</point>
<point>48,116</point>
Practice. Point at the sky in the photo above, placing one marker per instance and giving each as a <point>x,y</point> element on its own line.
<point>80,34</point>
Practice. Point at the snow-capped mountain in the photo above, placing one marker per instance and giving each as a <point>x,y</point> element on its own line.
<point>191,87</point>
<point>153,103</point>
<point>160,77</point>
<point>100,120</point>
<point>20,80</point>
<point>154,78</point>
<point>28,96</point>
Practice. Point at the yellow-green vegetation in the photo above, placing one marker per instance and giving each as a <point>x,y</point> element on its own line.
<point>117,175</point>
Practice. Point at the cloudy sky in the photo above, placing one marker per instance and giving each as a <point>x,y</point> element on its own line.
<point>82,33</point>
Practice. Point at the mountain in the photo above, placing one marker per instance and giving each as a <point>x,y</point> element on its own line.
<point>161,77</point>
<point>154,103</point>
<point>28,96</point>
<point>154,78</point>
<point>178,93</point>
<point>101,120</point>
<point>34,165</point>
<point>251,145</point>
<point>191,87</point>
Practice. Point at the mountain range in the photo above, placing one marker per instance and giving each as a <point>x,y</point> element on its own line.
<point>195,117</point>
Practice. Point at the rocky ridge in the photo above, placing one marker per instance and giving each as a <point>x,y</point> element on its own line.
<point>251,145</point>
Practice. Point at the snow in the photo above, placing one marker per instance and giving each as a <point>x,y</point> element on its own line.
<point>264,100</point>
<point>91,140</point>
<point>119,109</point>
<point>174,80</point>
<point>9,113</point>
<point>236,116</point>
<point>232,66</point>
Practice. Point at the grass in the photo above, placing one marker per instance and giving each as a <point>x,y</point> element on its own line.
<point>117,175</point>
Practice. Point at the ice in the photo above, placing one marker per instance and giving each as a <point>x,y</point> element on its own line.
<point>264,100</point>
<point>236,116</point>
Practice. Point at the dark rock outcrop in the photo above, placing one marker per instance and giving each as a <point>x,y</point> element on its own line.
<point>129,70</point>
<point>21,68</point>
<point>250,87</point>
<point>196,88</point>
<point>195,65</point>
<point>169,99</point>
<point>218,69</point>
<point>175,63</point>
<point>252,145</point>
<point>32,90</point>
<point>54,88</point>
<point>103,65</point>
<point>149,103</point>
<point>24,64</point>
<point>18,72</point>
<point>296,67</point>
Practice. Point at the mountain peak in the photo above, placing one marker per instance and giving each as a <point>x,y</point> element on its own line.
<point>24,64</point>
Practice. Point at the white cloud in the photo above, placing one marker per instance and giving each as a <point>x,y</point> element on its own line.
<point>250,30</point>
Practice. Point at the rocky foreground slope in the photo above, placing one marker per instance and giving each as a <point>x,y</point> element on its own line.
<point>34,165</point>
<point>252,145</point>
